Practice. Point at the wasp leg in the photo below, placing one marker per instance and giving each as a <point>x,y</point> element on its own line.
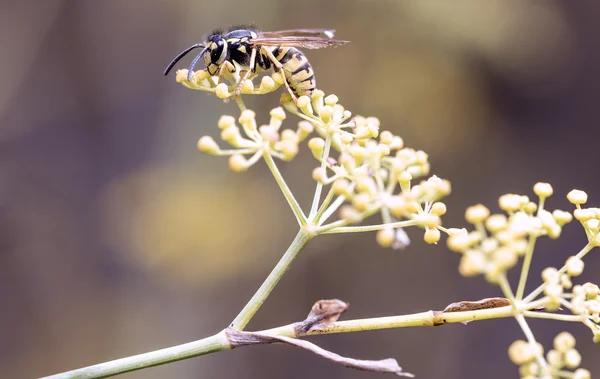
<point>225,66</point>
<point>279,67</point>
<point>238,88</point>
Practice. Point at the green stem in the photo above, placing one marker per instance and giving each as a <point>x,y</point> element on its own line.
<point>287,193</point>
<point>531,339</point>
<point>317,196</point>
<point>367,228</point>
<point>552,316</point>
<point>218,342</point>
<point>246,314</point>
<point>324,207</point>
<point>526,267</point>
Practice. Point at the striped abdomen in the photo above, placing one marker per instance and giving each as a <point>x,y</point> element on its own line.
<point>298,71</point>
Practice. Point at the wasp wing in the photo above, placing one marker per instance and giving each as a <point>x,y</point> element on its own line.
<point>326,33</point>
<point>297,41</point>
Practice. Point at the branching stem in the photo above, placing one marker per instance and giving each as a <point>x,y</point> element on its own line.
<point>246,314</point>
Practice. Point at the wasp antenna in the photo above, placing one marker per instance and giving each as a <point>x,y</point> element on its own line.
<point>193,64</point>
<point>181,55</point>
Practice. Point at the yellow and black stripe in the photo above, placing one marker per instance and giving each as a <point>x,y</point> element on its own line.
<point>298,71</point>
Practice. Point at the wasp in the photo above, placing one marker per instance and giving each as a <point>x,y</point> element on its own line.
<point>246,50</point>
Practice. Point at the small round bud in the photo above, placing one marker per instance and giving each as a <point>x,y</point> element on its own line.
<point>346,138</point>
<point>582,373</point>
<point>584,214</point>
<point>555,359</point>
<point>476,214</point>
<point>510,202</point>
<point>340,186</point>
<point>397,143</point>
<point>550,275</point>
<point>496,223</point>
<point>222,91</point>
<point>278,78</point>
<point>289,135</point>
<point>386,137</point>
<point>207,145</point>
<point>592,224</point>
<point>225,122</point>
<point>319,174</point>
<point>358,152</point>
<point>331,100</point>
<point>361,201</point>
<point>397,205</point>
<point>530,207</point>
<point>562,217</point>
<point>247,87</point>
<point>404,179</point>
<point>564,341</point>
<point>304,104</point>
<point>316,146</point>
<point>289,149</point>
<point>231,134</point>
<point>305,128</point>
<point>459,242</point>
<point>277,113</point>
<point>505,258</point>
<point>543,190</point>
<point>553,290</point>
<point>350,214</point>
<point>325,113</point>
<point>438,209</point>
<point>472,263</point>
<point>266,84</point>
<point>237,163</point>
<point>432,235</point>
<point>577,197</point>
<point>520,352</point>
<point>181,75</point>
<point>268,133</point>
<point>572,358</point>
<point>385,237</point>
<point>383,149</point>
<point>574,265</point>
<point>303,101</point>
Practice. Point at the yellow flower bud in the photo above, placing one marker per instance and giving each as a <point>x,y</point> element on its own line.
<point>266,84</point>
<point>319,174</point>
<point>316,146</point>
<point>237,163</point>
<point>385,237</point>
<point>577,197</point>
<point>225,122</point>
<point>543,190</point>
<point>438,209</point>
<point>564,341</point>
<point>331,100</point>
<point>222,91</point>
<point>207,145</point>
<point>432,235</point>
<point>247,87</point>
<point>477,213</point>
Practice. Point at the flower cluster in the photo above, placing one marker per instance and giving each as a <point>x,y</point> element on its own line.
<point>202,81</point>
<point>368,170</point>
<point>563,357</point>
<point>500,239</point>
<point>256,140</point>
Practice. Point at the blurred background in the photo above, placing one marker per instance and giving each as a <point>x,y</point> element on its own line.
<point>118,237</point>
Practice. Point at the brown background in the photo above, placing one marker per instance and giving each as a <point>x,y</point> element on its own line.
<point>118,237</point>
